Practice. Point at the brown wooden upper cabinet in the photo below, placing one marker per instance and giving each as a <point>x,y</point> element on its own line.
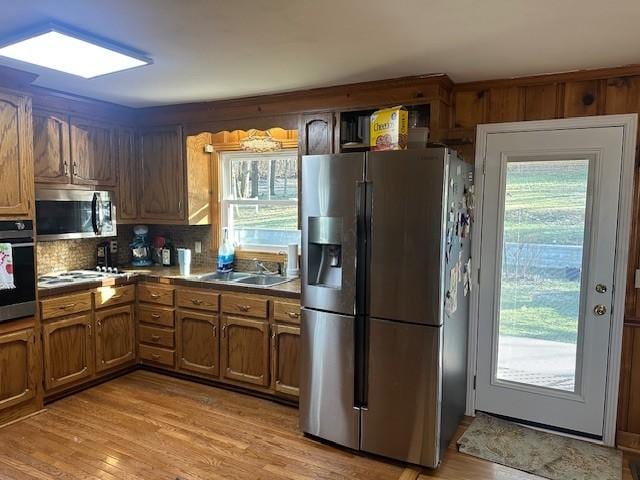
<point>51,147</point>
<point>16,156</point>
<point>93,153</point>
<point>162,177</point>
<point>74,150</point>
<point>316,134</point>
<point>128,186</point>
<point>18,366</point>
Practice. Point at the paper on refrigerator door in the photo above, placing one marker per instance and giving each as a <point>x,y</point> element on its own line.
<point>451,298</point>
<point>6,267</point>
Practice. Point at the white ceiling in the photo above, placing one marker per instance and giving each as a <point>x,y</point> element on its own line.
<point>215,49</point>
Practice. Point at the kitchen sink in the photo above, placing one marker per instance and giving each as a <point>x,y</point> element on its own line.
<point>224,277</point>
<point>243,278</point>
<point>263,280</point>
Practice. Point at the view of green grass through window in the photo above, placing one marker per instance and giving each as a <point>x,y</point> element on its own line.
<point>260,198</point>
<point>544,226</point>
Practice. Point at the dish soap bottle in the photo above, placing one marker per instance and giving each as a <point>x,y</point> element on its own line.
<point>226,254</point>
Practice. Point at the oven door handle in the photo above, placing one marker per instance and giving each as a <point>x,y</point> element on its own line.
<point>20,245</point>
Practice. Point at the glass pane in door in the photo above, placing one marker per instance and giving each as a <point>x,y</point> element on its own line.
<point>542,257</point>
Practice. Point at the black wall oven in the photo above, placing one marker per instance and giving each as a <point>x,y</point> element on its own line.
<point>62,214</point>
<point>20,301</point>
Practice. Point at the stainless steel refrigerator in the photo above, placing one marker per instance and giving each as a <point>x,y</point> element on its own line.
<point>385,289</point>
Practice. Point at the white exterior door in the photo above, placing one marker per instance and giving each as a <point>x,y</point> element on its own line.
<point>549,234</point>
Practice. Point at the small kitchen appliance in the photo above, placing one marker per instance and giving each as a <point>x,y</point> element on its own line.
<point>140,247</point>
<point>107,254</point>
<point>63,214</point>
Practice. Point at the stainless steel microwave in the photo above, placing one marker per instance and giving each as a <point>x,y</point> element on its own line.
<point>62,214</point>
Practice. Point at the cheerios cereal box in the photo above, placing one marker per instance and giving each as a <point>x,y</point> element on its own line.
<point>389,129</point>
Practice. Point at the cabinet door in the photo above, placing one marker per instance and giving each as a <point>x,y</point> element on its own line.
<point>16,156</point>
<point>162,174</point>
<point>198,349</point>
<point>115,337</point>
<point>245,350</point>
<point>68,355</point>
<point>93,153</point>
<point>285,348</point>
<point>51,154</point>
<point>316,136</point>
<point>17,367</point>
<point>128,185</point>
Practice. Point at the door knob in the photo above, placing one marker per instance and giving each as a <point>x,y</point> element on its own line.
<point>600,309</point>
<point>600,288</point>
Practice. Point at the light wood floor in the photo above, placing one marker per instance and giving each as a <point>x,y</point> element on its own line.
<point>152,427</point>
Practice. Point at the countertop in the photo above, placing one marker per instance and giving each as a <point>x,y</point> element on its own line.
<point>171,276</point>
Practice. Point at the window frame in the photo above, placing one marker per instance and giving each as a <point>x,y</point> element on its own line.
<point>226,185</point>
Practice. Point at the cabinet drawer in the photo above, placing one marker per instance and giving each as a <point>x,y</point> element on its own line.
<point>242,305</point>
<point>156,336</point>
<point>198,299</point>
<point>109,296</point>
<point>155,294</point>
<point>156,355</point>
<point>286,312</point>
<point>67,305</point>
<point>156,315</point>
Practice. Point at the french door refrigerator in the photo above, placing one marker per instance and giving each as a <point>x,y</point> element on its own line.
<point>385,288</point>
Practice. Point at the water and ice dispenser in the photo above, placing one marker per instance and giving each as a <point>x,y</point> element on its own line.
<point>324,252</point>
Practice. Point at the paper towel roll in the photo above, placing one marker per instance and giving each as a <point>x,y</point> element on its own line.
<point>293,269</point>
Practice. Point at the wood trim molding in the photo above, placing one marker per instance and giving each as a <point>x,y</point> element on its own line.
<point>229,141</point>
<point>575,75</point>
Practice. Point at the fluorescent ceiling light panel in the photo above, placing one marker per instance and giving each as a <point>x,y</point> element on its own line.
<point>60,49</point>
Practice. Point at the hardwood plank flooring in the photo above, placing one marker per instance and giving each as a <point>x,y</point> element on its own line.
<point>148,426</point>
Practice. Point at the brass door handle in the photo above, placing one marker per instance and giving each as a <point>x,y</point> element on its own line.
<point>224,329</point>
<point>116,297</point>
<point>293,315</point>
<point>155,315</point>
<point>244,308</point>
<point>196,301</point>
<point>154,295</point>
<point>600,309</point>
<point>67,306</point>
<point>155,338</point>
<point>155,356</point>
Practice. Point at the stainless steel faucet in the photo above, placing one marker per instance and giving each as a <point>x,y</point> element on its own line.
<point>260,267</point>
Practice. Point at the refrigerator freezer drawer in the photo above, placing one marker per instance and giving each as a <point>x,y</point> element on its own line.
<point>402,417</point>
<point>327,378</point>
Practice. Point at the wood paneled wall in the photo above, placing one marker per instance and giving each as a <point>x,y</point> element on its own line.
<point>577,94</point>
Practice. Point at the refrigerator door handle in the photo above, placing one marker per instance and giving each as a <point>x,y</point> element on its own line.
<point>362,301</point>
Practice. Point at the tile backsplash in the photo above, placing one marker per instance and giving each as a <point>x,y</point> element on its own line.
<point>60,255</point>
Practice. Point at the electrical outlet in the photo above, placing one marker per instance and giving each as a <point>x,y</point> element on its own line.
<point>198,247</point>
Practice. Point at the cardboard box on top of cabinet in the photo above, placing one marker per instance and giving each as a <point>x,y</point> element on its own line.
<point>389,129</point>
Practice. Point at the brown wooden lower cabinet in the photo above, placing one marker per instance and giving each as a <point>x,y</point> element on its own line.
<point>115,337</point>
<point>198,344</point>
<point>18,367</point>
<point>68,350</point>
<point>285,350</point>
<point>245,350</point>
